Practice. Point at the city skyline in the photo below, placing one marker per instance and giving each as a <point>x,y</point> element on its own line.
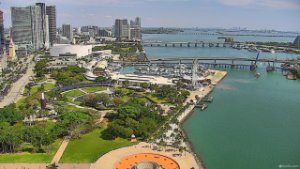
<point>252,14</point>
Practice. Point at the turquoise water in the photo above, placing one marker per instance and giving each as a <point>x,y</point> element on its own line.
<point>214,38</point>
<point>252,123</point>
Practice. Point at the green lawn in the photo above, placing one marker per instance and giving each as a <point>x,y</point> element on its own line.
<point>125,98</point>
<point>154,99</point>
<point>90,147</point>
<point>20,101</point>
<point>73,93</point>
<point>27,157</point>
<point>47,87</point>
<point>94,89</point>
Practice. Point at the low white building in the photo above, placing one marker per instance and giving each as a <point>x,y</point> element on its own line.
<point>136,80</point>
<point>106,54</point>
<point>71,51</point>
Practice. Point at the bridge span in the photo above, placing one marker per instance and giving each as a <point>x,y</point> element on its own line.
<point>216,62</point>
<point>220,43</point>
<point>215,59</point>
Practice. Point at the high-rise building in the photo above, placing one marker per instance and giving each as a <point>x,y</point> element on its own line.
<point>67,31</point>
<point>2,40</point>
<point>51,12</point>
<point>43,20</point>
<point>135,29</point>
<point>297,41</point>
<point>27,26</point>
<point>138,22</point>
<point>122,29</point>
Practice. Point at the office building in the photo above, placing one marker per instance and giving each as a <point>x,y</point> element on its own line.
<point>51,12</point>
<point>135,34</point>
<point>135,29</point>
<point>67,31</point>
<point>121,29</point>
<point>42,16</point>
<point>104,33</point>
<point>297,41</point>
<point>27,26</point>
<point>138,22</point>
<point>2,40</point>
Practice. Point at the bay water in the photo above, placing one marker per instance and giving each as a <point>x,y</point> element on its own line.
<point>252,123</point>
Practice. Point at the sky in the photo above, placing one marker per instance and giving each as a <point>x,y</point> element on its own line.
<point>281,15</point>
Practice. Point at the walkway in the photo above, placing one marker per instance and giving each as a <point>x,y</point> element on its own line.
<point>60,151</point>
<point>42,166</point>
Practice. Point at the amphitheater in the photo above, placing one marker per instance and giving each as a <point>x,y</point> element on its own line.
<point>147,161</point>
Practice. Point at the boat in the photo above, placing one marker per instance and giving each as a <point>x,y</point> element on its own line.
<point>257,75</point>
<point>208,99</point>
<point>272,51</point>
<point>291,76</point>
<point>202,106</point>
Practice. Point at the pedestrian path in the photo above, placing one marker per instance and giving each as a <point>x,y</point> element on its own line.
<point>60,151</point>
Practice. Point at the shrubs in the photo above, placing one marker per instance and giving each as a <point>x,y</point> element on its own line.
<point>134,117</point>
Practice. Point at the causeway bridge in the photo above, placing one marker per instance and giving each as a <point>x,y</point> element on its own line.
<point>220,43</point>
<point>216,62</point>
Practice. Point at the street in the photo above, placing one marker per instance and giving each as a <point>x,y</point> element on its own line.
<point>17,88</point>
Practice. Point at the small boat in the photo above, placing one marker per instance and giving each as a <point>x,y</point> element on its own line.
<point>291,76</point>
<point>272,51</point>
<point>208,99</point>
<point>257,75</point>
<point>202,106</point>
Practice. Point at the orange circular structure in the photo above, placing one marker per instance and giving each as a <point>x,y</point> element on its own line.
<point>147,161</point>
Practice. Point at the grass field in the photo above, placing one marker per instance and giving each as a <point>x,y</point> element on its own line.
<point>47,87</point>
<point>154,99</point>
<point>90,147</point>
<point>20,101</point>
<point>94,89</point>
<point>73,93</point>
<point>27,157</point>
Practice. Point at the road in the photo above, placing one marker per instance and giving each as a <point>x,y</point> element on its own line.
<point>17,88</point>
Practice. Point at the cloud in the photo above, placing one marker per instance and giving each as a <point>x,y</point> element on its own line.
<point>280,4</point>
<point>276,4</point>
<point>237,2</point>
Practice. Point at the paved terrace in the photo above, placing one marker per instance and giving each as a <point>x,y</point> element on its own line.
<point>111,159</point>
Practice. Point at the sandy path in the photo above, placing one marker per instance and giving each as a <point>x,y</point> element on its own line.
<point>60,151</point>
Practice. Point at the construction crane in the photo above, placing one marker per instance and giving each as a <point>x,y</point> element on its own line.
<point>253,65</point>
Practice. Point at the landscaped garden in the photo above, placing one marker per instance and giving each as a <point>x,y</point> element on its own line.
<point>90,147</point>
<point>133,112</point>
<point>94,89</point>
<point>73,93</point>
<point>31,157</point>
